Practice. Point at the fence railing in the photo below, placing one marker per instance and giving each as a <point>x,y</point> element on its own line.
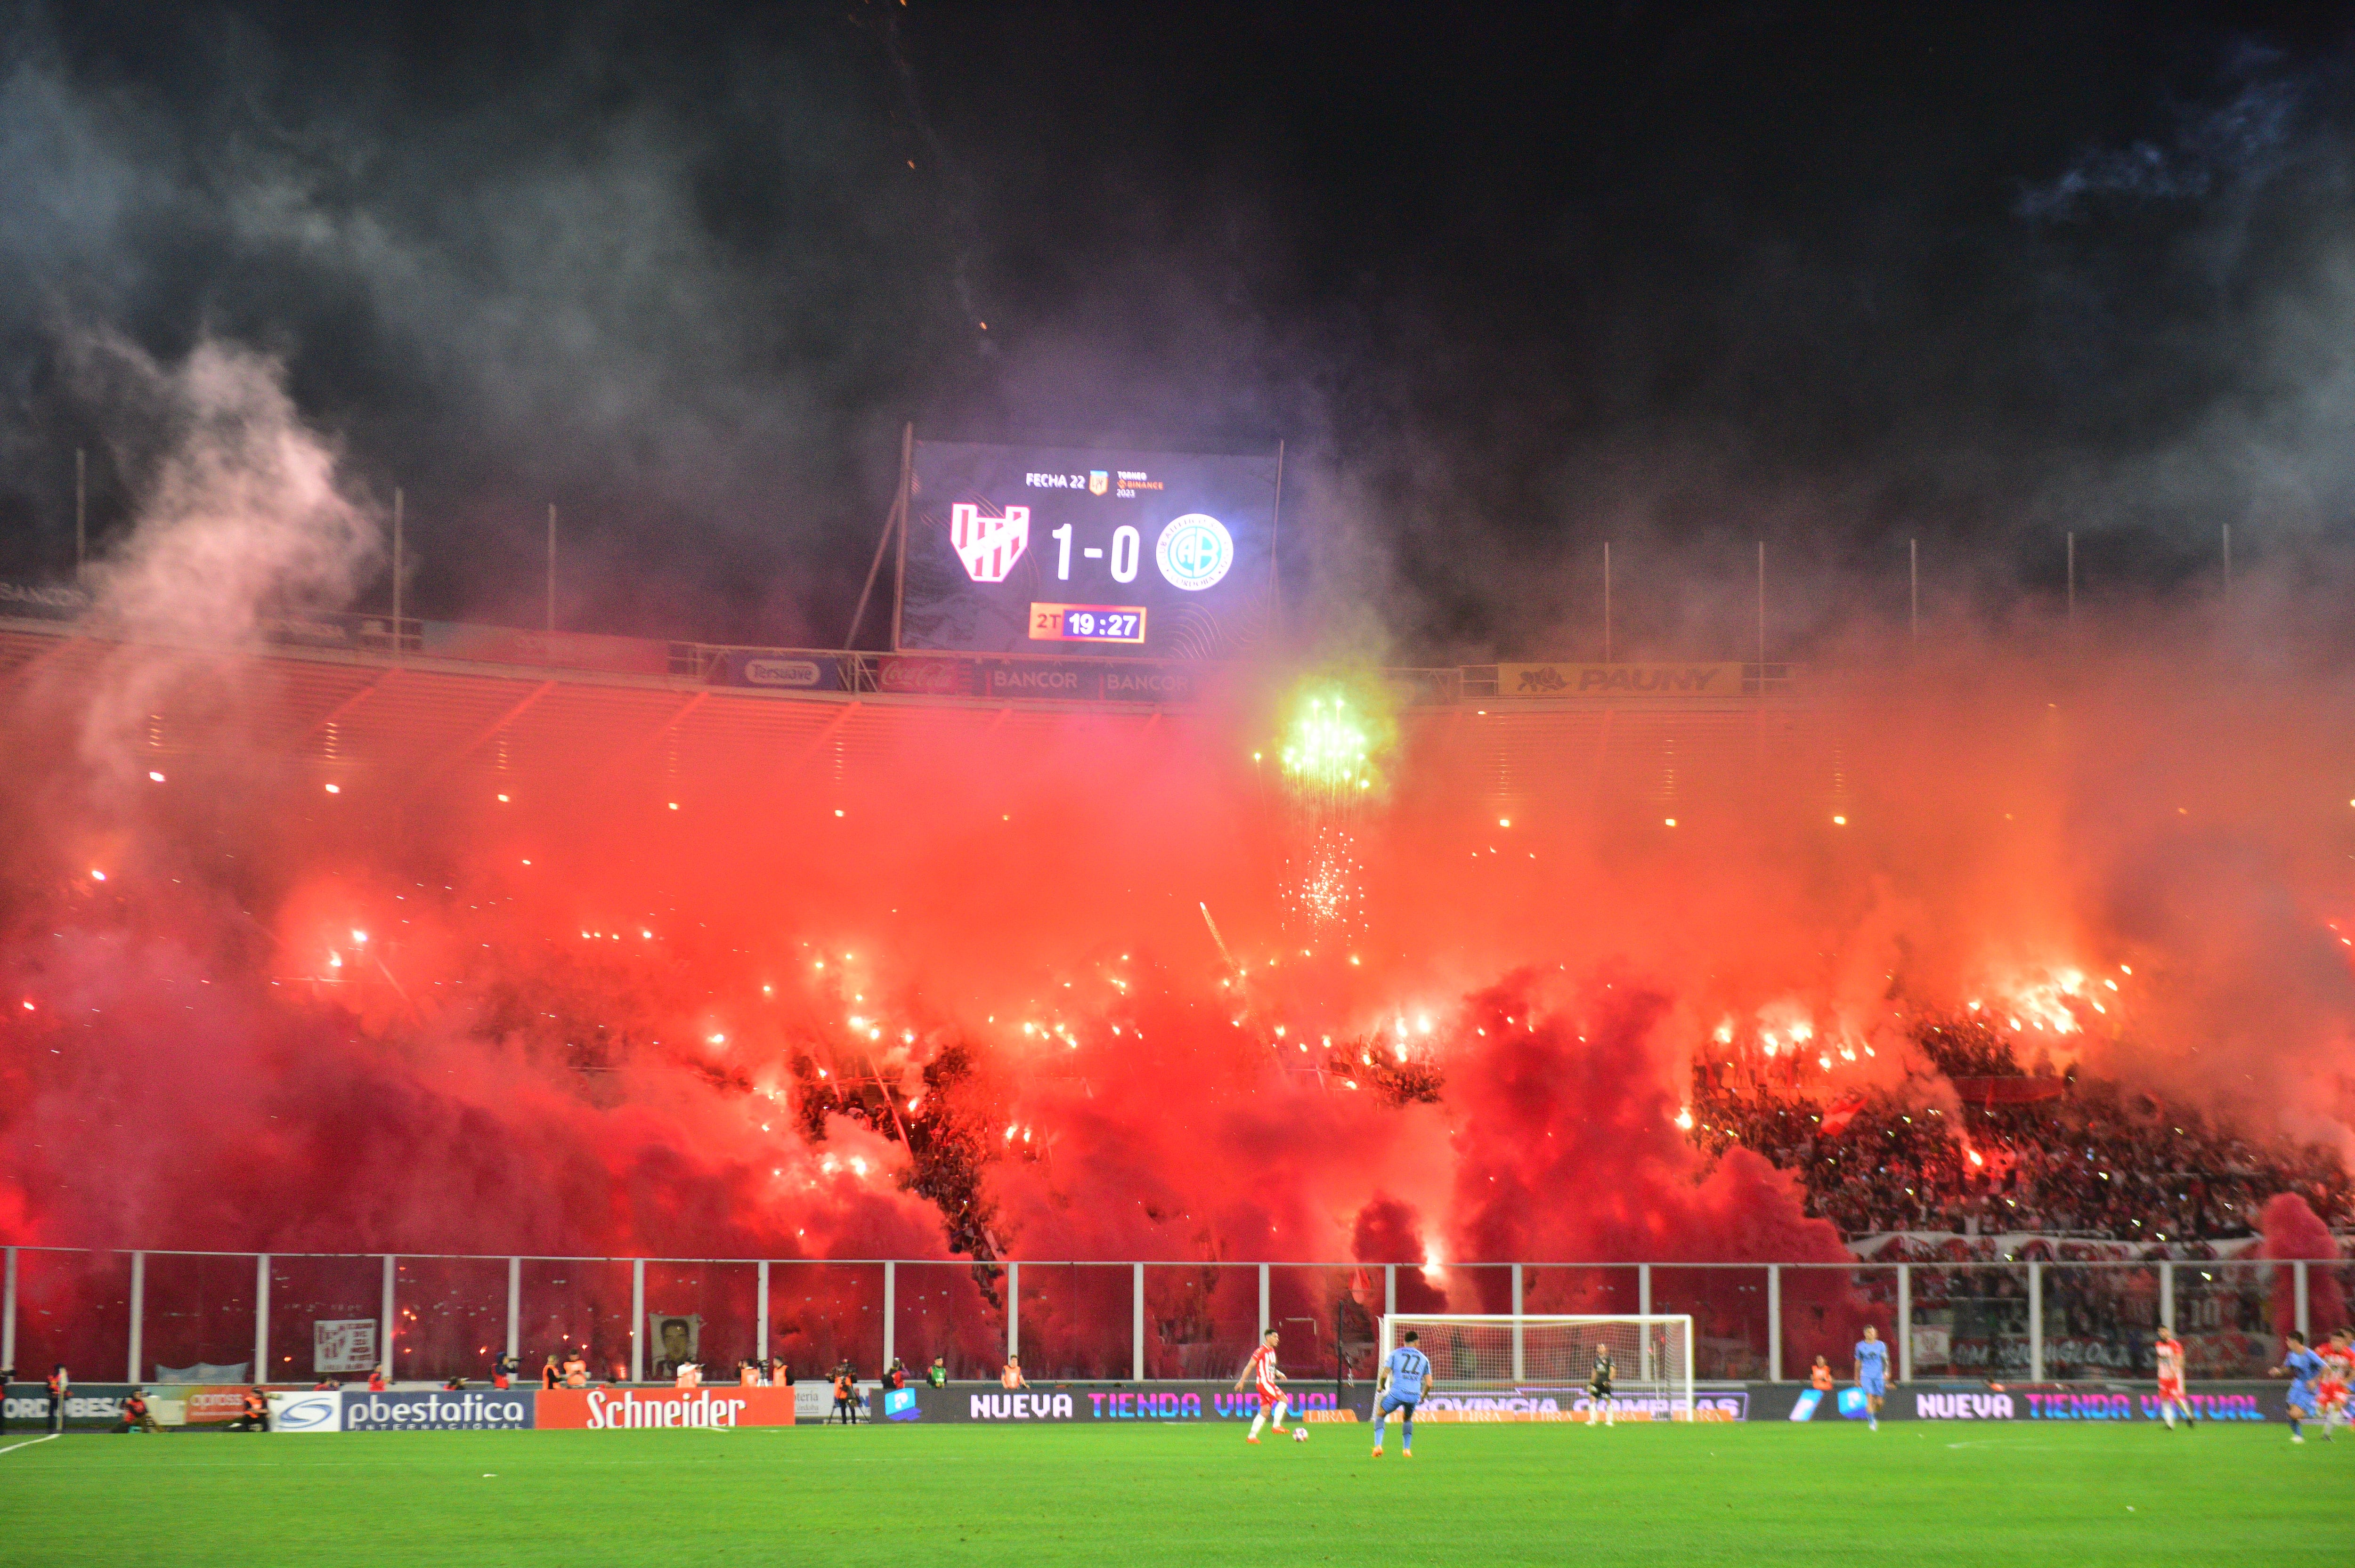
<point>440,1316</point>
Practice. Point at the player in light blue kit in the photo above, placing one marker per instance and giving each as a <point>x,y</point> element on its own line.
<point>2303,1367</point>
<point>1872,1373</point>
<point>1400,1388</point>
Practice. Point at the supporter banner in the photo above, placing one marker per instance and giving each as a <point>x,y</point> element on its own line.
<point>343,1344</point>
<point>926,677</point>
<point>1164,1401</point>
<point>780,670</point>
<point>1619,680</point>
<point>565,649</point>
<point>1019,549</point>
<point>473,1410</point>
<point>230,1372</point>
<point>43,601</point>
<point>620,1409</point>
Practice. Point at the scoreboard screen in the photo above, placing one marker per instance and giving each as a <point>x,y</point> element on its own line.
<point>1049,549</point>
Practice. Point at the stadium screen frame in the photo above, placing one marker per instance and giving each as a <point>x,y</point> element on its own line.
<point>968,582</point>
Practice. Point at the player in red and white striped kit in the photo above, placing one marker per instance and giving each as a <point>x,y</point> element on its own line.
<point>1271,1397</point>
<point>2330,1389</point>
<point>2167,1351</point>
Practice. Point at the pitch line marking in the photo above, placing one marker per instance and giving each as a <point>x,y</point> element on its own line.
<point>29,1442</point>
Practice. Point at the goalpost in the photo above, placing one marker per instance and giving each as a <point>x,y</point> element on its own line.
<point>1475,1355</point>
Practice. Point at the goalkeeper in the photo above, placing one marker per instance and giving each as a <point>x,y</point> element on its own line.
<point>1400,1387</point>
<point>1598,1389</point>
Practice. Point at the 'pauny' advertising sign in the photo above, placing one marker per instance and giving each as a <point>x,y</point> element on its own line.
<point>1712,680</point>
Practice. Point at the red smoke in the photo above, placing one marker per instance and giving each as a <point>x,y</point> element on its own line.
<point>707,1004</point>
<point>2292,1231</point>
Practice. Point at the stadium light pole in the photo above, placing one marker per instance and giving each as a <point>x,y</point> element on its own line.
<point>2227,563</point>
<point>637,1320</point>
<point>1913,586</point>
<point>260,1317</point>
<point>82,509</point>
<point>398,553</point>
<point>895,521</point>
<point>384,1341</point>
<point>1762,613</point>
<point>551,568</point>
<point>2073,576</point>
<point>1606,602</point>
<point>1136,1327</point>
<point>138,1313</point>
<point>760,1316</point>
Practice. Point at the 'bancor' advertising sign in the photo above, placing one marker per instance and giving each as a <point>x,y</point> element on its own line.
<point>1063,550</point>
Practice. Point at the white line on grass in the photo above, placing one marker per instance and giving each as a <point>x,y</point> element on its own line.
<point>28,1443</point>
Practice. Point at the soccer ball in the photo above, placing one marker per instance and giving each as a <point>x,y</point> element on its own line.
<point>1300,1434</point>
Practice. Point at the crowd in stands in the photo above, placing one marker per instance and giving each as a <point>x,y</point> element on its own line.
<point>2070,1156</point>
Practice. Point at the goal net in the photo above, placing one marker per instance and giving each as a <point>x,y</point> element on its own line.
<point>1538,1368</point>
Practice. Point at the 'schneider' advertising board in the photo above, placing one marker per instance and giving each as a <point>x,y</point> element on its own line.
<point>722,1407</point>
<point>1059,550</point>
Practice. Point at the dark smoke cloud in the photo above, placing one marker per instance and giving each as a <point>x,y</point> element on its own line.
<point>1666,287</point>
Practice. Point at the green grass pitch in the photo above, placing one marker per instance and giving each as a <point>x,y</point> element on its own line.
<point>1926,1493</point>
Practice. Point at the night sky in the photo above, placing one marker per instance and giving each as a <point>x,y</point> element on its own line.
<point>1508,282</point>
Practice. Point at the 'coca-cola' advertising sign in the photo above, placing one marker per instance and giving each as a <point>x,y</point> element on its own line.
<point>633,1409</point>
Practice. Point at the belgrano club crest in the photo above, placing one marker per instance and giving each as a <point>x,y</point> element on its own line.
<point>988,545</point>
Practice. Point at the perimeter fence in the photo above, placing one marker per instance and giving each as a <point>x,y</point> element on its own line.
<point>215,1316</point>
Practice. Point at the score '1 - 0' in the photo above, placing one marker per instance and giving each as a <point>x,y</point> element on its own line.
<point>1127,546</point>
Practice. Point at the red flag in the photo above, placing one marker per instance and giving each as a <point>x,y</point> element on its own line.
<point>1842,1112</point>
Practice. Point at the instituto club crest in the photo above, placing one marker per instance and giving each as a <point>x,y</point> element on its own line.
<point>1195,552</point>
<point>988,545</point>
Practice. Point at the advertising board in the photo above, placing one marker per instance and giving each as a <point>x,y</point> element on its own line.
<point>1063,550</point>
<point>44,601</point>
<point>435,1410</point>
<point>1574,1404</point>
<point>309,1410</point>
<point>2019,1401</point>
<point>623,1409</point>
<point>1604,681</point>
<point>1158,1402</point>
<point>781,670</point>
